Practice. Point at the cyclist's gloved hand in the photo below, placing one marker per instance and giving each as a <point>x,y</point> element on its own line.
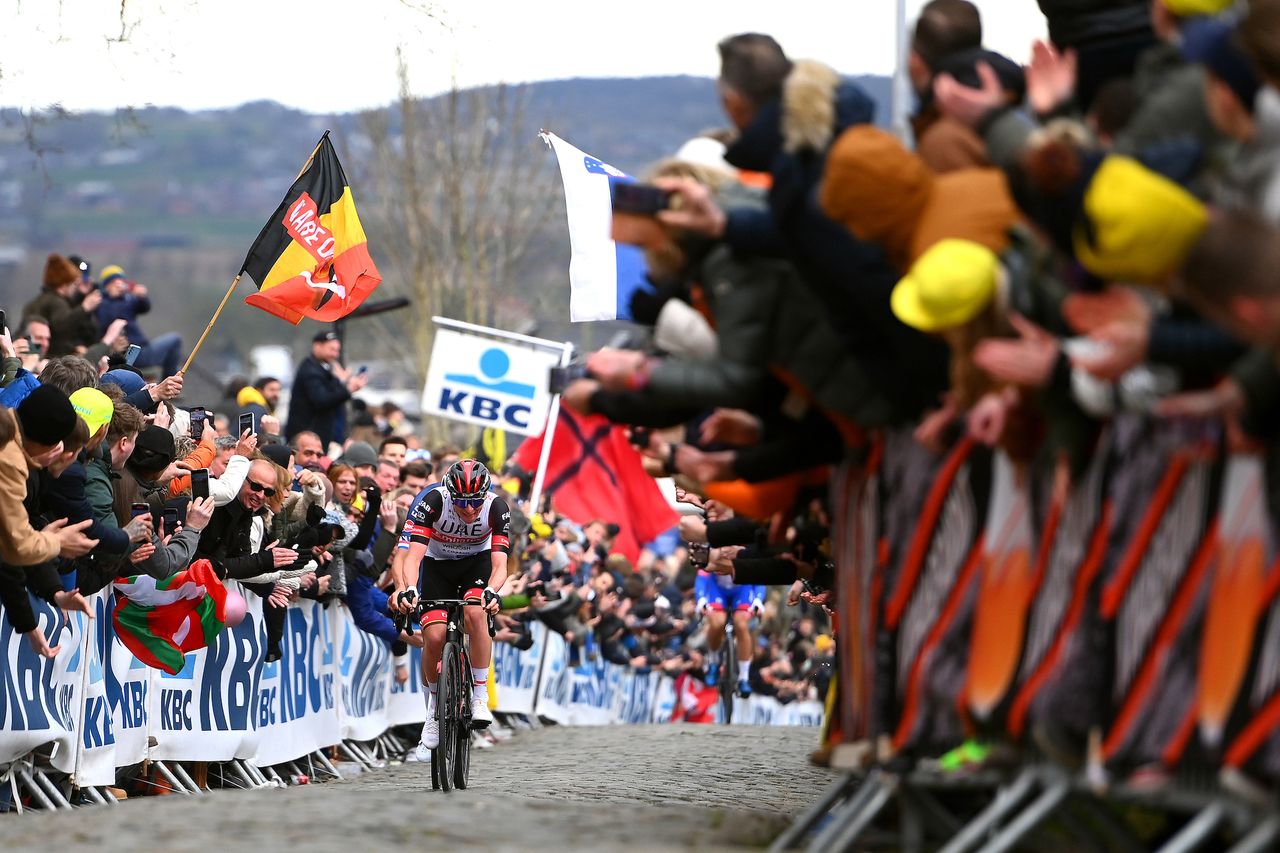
<point>492,601</point>
<point>405,599</point>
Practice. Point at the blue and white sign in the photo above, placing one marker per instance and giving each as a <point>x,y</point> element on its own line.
<point>602,274</point>
<point>489,383</point>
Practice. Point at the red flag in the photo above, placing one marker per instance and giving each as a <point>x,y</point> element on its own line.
<point>595,472</point>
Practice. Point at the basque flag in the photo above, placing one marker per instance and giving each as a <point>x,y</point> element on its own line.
<point>161,620</point>
<point>311,259</point>
<point>602,273</point>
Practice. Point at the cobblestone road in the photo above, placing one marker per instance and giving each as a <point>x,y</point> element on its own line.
<point>620,787</point>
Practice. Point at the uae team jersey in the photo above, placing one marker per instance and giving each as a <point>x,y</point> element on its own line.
<point>433,521</point>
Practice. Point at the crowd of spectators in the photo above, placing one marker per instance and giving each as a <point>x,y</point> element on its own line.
<point>1068,243</point>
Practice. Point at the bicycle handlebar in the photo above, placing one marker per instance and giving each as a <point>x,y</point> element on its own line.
<point>420,606</point>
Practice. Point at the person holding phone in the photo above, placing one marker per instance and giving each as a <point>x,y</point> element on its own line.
<point>321,387</point>
<point>225,471</point>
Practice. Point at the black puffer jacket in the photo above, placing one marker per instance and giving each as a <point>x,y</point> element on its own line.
<point>1073,23</point>
<point>225,542</point>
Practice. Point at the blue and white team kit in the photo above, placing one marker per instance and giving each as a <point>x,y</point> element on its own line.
<point>719,592</point>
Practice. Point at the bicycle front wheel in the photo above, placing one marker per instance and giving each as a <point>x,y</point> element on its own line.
<point>728,679</point>
<point>452,719</point>
<point>462,757</point>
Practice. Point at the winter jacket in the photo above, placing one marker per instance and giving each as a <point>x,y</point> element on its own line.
<point>316,402</point>
<point>226,542</point>
<point>127,307</point>
<point>20,543</point>
<point>98,488</point>
<point>69,325</point>
<point>789,139</point>
<point>1073,23</point>
<point>66,496</point>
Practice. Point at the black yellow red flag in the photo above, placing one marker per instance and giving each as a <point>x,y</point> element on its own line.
<point>311,259</point>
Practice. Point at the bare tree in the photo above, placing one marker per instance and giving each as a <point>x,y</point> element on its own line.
<point>459,188</point>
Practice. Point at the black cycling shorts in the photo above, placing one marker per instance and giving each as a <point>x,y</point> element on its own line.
<point>463,578</point>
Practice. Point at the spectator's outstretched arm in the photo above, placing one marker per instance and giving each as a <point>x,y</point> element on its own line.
<point>366,612</point>
<point>172,558</point>
<point>224,489</point>
<point>753,231</point>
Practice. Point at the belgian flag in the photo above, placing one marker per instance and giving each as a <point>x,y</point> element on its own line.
<point>311,259</point>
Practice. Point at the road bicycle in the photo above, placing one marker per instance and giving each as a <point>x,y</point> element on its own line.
<point>451,759</point>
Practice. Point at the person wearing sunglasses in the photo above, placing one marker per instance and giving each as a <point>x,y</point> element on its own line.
<point>462,529</point>
<point>235,539</point>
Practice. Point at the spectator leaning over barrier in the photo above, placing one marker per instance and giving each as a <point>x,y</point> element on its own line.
<point>321,387</point>
<point>233,541</point>
<point>125,300</point>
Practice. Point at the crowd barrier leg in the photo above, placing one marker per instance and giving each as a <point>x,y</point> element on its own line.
<point>847,824</point>
<point>836,791</point>
<point>1265,836</point>
<point>931,812</point>
<point>185,777</point>
<point>37,793</point>
<point>1006,800</point>
<point>1035,814</point>
<point>358,755</point>
<point>50,789</point>
<point>1198,830</point>
<point>326,764</point>
<point>175,784</point>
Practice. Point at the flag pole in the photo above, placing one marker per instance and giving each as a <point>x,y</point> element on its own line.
<point>236,281</point>
<point>548,436</point>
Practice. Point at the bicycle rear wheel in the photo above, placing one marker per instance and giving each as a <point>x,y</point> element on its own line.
<point>448,706</point>
<point>462,757</point>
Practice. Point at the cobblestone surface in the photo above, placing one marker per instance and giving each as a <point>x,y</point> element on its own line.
<point>620,787</point>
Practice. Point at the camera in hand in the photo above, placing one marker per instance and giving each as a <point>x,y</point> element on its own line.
<point>699,554</point>
<point>540,587</point>
<point>559,378</point>
<point>198,416</point>
<point>200,483</point>
<point>640,199</point>
<point>640,437</point>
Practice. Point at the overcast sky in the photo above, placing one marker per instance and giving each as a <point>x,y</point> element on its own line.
<point>339,55</point>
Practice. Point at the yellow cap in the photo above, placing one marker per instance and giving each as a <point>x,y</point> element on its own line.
<point>948,285</point>
<point>1190,8</point>
<point>358,502</point>
<point>93,407</point>
<point>1140,225</point>
<point>823,643</point>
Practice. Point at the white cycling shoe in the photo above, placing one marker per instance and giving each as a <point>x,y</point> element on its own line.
<point>481,716</point>
<point>430,733</point>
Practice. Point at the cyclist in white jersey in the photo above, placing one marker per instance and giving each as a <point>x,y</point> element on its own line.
<point>463,531</point>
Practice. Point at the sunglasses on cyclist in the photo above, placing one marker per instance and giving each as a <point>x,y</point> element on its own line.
<point>468,503</point>
<point>258,487</point>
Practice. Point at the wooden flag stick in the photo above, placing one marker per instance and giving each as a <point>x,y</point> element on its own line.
<point>232,289</point>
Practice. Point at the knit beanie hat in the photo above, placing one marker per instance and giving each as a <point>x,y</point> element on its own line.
<point>47,416</point>
<point>58,271</point>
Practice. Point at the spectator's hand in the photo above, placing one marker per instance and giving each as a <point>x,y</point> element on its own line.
<point>162,418</point>
<point>731,426</point>
<point>247,444</point>
<point>139,528</point>
<point>1027,361</point>
<point>308,478</point>
<point>693,529</point>
<point>1125,348</point>
<point>7,348</point>
<point>139,290</point>
<point>279,596</point>
<point>716,511</point>
<point>616,368</point>
<point>721,559</point>
<point>1051,77</point>
<point>322,585</point>
<point>281,557</point>
<point>577,395</point>
<point>21,347</point>
<point>964,104</point>
<point>307,580</point>
<point>389,515</point>
<point>142,553</point>
<point>933,426</point>
<point>689,498</point>
<point>1224,399</point>
<point>700,465</point>
<point>402,674</point>
<point>114,330</point>
<point>92,300</point>
<point>639,662</point>
<point>414,639</point>
<point>693,209</point>
<point>987,418</point>
<point>170,388</point>
<point>357,381</point>
<point>270,425</point>
<point>793,594</point>
<point>69,601</point>
<point>208,434</point>
<point>72,541</point>
<point>1088,312</point>
<point>40,645</point>
<point>172,472</point>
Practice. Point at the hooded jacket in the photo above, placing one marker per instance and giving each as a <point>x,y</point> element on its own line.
<point>789,139</point>
<point>886,195</point>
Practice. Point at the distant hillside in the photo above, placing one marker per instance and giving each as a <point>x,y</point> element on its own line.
<point>177,197</point>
